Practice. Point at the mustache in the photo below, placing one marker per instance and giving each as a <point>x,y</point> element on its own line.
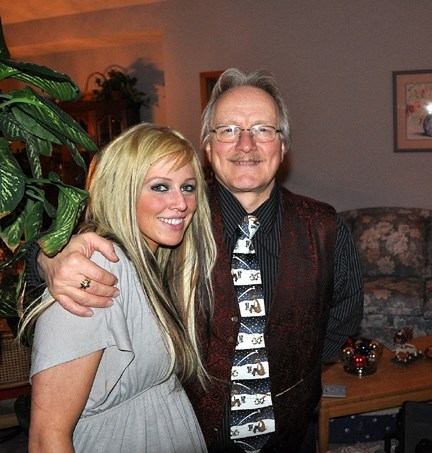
<point>241,157</point>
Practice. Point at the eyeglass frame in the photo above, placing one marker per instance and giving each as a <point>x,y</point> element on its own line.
<point>215,131</point>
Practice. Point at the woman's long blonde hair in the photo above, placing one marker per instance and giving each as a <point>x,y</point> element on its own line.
<point>177,280</point>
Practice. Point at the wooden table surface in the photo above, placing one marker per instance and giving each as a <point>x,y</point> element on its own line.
<point>388,387</point>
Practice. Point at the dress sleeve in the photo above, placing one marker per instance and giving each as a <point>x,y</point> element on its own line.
<point>347,306</point>
<point>61,336</point>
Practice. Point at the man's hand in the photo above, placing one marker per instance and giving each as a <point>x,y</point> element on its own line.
<point>65,272</point>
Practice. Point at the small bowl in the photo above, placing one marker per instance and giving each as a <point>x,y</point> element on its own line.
<point>362,370</point>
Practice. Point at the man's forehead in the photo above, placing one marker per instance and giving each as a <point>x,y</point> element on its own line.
<point>243,103</point>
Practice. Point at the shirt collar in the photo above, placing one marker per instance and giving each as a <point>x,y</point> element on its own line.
<point>233,212</point>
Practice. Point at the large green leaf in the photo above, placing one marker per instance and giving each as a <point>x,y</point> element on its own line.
<point>30,121</point>
<point>56,84</point>
<point>50,118</point>
<point>34,148</point>
<point>33,220</point>
<point>71,202</point>
<point>49,208</point>
<point>23,127</point>
<point>13,130</point>
<point>12,180</point>
<point>26,223</point>
<point>32,126</point>
<point>19,255</point>
<point>11,229</point>
<point>76,154</point>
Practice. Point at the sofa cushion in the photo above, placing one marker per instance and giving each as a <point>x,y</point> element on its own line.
<point>393,296</point>
<point>390,241</point>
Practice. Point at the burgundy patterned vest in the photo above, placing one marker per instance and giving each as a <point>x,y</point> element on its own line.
<point>295,327</point>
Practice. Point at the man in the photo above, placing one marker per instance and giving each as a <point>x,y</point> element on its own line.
<point>310,274</point>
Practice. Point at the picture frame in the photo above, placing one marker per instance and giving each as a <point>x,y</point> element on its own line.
<point>207,82</point>
<point>412,110</point>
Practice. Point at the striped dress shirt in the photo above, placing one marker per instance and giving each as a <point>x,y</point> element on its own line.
<point>347,307</point>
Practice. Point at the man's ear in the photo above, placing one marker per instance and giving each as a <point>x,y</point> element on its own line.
<point>282,151</point>
<point>207,151</point>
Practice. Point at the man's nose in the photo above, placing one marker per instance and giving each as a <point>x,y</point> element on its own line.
<point>245,142</point>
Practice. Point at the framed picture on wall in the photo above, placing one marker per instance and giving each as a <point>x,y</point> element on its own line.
<point>412,110</point>
<point>207,82</point>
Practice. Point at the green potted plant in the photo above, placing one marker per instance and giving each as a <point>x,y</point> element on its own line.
<point>29,117</point>
<point>116,84</point>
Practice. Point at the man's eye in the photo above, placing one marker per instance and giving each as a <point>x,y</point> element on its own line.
<point>159,188</point>
<point>262,129</point>
<point>189,188</point>
<point>227,130</point>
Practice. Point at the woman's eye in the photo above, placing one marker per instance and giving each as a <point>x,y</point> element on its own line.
<point>189,188</point>
<point>159,188</point>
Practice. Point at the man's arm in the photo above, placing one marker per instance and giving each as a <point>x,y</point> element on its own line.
<point>347,309</point>
<point>64,273</point>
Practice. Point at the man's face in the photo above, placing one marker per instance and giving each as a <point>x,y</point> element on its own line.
<point>245,167</point>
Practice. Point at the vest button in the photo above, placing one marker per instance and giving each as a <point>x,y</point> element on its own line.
<point>231,340</point>
<point>234,319</point>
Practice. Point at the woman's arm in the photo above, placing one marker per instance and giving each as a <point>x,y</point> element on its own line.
<point>59,395</point>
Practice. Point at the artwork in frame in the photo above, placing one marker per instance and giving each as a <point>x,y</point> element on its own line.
<point>207,82</point>
<point>412,110</point>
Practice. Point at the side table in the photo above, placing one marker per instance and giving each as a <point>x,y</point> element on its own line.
<point>389,387</point>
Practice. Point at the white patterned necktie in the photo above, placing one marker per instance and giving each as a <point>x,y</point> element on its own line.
<point>252,418</point>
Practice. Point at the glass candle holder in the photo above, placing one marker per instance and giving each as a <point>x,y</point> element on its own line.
<point>361,357</point>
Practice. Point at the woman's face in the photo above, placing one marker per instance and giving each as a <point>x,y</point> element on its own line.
<point>167,203</point>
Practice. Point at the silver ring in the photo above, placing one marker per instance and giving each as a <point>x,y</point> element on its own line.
<point>85,284</point>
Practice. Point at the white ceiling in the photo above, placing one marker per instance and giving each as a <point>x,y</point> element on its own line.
<point>28,10</point>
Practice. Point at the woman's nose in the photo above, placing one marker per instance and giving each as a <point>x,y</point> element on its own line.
<point>178,201</point>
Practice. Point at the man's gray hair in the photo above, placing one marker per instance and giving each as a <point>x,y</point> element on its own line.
<point>258,78</point>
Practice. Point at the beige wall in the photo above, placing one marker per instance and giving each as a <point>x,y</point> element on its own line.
<point>333,58</point>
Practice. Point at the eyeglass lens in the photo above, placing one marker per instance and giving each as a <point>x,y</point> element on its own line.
<point>259,133</point>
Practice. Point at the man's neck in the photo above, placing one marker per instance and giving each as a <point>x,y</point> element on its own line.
<point>252,200</point>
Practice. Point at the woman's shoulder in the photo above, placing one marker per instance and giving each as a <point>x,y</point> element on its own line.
<point>124,261</point>
<point>124,270</point>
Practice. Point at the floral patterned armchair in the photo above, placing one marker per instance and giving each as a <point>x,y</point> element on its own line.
<point>395,248</point>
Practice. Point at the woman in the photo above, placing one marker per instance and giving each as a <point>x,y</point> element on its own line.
<point>111,382</point>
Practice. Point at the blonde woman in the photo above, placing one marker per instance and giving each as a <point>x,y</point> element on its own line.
<point>112,382</point>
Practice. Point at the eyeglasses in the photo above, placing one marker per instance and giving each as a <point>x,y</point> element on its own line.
<point>260,133</point>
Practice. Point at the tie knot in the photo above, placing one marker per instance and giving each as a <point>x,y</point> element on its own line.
<point>249,226</point>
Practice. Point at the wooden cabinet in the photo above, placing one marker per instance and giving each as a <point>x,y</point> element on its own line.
<point>103,121</point>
